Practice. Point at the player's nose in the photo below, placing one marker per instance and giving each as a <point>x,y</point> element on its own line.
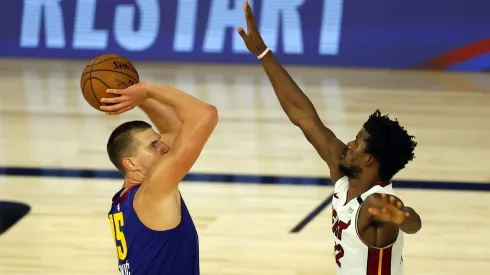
<point>350,144</point>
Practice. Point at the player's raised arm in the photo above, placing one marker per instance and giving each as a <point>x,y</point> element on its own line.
<point>163,117</point>
<point>293,101</point>
<point>391,210</point>
<point>198,122</point>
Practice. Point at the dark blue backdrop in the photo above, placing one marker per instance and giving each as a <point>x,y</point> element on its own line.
<point>437,34</point>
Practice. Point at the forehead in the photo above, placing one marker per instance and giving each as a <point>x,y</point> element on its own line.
<point>146,136</point>
<point>362,134</point>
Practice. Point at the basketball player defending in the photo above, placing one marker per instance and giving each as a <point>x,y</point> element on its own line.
<point>151,225</point>
<point>368,220</point>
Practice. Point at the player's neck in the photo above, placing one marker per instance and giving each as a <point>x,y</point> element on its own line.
<point>357,187</point>
<point>131,179</point>
<point>134,177</point>
<point>360,185</point>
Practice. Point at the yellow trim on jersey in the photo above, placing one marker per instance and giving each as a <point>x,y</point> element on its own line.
<point>380,263</point>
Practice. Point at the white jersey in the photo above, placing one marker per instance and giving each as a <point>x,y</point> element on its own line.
<point>352,255</point>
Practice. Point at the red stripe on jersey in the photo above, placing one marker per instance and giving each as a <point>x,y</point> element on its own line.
<point>386,261</point>
<point>379,261</point>
<point>384,184</point>
<point>123,197</point>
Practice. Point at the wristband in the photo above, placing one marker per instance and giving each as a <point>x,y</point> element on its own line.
<point>263,54</point>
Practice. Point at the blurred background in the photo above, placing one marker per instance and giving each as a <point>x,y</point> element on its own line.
<point>260,195</point>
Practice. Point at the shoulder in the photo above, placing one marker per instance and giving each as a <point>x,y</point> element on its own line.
<point>147,201</point>
<point>378,200</point>
<point>376,192</point>
<point>341,183</point>
<point>158,212</point>
<point>373,200</point>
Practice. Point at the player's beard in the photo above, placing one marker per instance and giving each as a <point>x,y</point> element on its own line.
<point>352,171</point>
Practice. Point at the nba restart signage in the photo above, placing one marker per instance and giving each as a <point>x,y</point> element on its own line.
<point>382,33</point>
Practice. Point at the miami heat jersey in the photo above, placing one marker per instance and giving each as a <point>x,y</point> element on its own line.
<point>352,255</point>
<point>142,251</point>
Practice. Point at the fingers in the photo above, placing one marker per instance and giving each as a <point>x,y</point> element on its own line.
<point>249,16</point>
<point>115,91</point>
<point>392,200</point>
<point>381,215</point>
<point>113,100</point>
<point>115,107</point>
<point>245,8</point>
<point>384,197</point>
<point>241,32</point>
<point>374,211</point>
<point>120,111</point>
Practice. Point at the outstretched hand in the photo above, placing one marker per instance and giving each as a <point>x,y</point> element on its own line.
<point>128,98</point>
<point>252,38</point>
<point>389,209</point>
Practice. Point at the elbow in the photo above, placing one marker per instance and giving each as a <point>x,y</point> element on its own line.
<point>418,226</point>
<point>210,115</point>
<point>299,121</point>
<point>305,123</point>
<point>414,225</point>
<point>413,229</point>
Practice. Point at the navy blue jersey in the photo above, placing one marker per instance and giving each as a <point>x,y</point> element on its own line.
<point>143,251</point>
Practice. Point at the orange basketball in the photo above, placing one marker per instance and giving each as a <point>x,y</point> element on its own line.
<point>108,71</point>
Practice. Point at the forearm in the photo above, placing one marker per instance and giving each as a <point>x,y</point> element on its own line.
<point>185,106</point>
<point>412,223</point>
<point>292,99</point>
<point>161,115</point>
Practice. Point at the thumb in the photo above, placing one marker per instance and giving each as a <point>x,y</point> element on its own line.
<point>242,32</point>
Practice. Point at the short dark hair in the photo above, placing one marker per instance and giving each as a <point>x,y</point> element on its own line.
<point>120,143</point>
<point>389,143</point>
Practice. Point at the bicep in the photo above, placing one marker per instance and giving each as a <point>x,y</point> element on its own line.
<point>171,169</point>
<point>162,116</point>
<point>328,146</point>
<point>167,172</point>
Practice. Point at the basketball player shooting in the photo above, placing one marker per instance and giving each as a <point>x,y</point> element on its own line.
<point>369,221</point>
<point>150,222</point>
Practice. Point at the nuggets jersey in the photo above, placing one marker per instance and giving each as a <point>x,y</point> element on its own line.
<point>143,251</point>
<point>352,255</point>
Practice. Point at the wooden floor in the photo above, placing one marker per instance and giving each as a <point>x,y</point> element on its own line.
<point>245,228</point>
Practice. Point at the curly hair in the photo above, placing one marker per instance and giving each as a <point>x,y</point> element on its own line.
<point>389,143</point>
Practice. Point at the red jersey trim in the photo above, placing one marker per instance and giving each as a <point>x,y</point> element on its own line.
<point>124,196</point>
<point>379,261</point>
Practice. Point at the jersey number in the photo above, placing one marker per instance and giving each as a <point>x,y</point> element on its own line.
<point>339,254</point>
<point>117,221</point>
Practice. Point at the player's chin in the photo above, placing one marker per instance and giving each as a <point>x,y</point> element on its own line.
<point>342,161</point>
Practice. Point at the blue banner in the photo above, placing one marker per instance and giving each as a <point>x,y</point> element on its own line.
<point>437,34</point>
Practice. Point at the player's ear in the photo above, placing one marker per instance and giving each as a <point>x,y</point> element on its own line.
<point>369,160</point>
<point>129,164</point>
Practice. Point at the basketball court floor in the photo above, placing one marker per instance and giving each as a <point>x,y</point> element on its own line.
<point>259,193</point>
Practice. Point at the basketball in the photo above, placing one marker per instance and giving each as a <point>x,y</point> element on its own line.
<point>108,71</point>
